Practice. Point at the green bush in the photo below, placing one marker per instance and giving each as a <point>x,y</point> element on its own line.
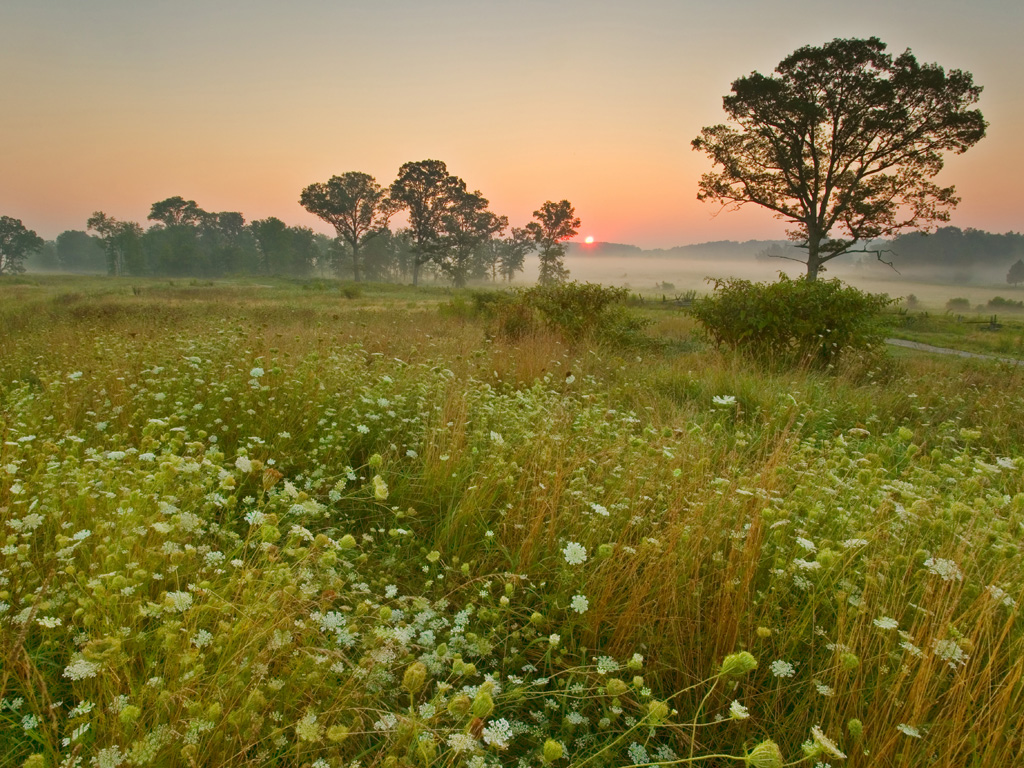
<point>998,302</point>
<point>791,321</point>
<point>577,311</point>
<point>958,304</point>
<point>583,310</point>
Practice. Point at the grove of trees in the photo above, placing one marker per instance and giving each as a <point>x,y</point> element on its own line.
<point>452,234</point>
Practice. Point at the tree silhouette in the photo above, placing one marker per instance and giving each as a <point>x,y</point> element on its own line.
<point>556,222</point>
<point>842,139</point>
<point>354,204</point>
<point>121,239</point>
<point>424,188</point>
<point>16,243</point>
<point>466,225</point>
<point>1016,274</point>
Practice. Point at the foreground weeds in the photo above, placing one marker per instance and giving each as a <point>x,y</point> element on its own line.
<point>285,531</point>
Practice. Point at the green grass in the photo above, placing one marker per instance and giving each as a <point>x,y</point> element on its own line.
<point>250,525</point>
<point>970,333</point>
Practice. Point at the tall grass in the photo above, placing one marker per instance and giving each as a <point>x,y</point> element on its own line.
<point>248,526</point>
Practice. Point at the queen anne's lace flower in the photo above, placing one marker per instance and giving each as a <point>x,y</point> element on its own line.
<point>574,554</point>
<point>580,604</point>
<point>946,570</point>
<point>782,668</point>
<point>80,669</point>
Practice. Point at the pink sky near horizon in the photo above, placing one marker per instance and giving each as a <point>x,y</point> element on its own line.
<point>114,105</point>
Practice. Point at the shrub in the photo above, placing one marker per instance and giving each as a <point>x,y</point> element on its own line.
<point>791,321</point>
<point>581,310</point>
<point>577,311</point>
<point>958,304</point>
<point>998,302</point>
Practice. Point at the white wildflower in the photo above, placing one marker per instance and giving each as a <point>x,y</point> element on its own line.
<point>575,554</point>
<point>782,668</point>
<point>498,733</point>
<point>947,570</point>
<point>826,744</point>
<point>462,742</point>
<point>580,603</point>
<point>80,669</point>
<point>737,711</point>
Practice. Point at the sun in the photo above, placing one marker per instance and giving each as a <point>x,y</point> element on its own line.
<point>588,239</point>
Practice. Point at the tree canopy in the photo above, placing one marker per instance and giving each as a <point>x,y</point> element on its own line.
<point>1016,274</point>
<point>16,243</point>
<point>842,142</point>
<point>555,223</point>
<point>424,189</point>
<point>354,204</point>
<point>121,240</point>
<point>466,225</point>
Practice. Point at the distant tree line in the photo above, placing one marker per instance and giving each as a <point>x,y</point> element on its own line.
<point>452,234</point>
<point>955,248</point>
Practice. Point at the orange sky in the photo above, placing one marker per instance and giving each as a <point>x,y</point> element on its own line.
<point>111,105</point>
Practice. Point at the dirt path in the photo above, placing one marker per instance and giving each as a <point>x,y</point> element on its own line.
<point>947,351</point>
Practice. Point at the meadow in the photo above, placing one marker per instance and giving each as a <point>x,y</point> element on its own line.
<point>304,524</point>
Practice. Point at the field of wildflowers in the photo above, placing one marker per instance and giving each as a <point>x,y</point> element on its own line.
<point>266,526</point>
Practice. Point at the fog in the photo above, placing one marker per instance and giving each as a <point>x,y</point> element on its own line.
<point>647,274</point>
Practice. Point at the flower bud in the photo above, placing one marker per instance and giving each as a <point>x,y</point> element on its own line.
<point>765,755</point>
<point>483,704</point>
<point>552,751</point>
<point>856,729</point>
<point>337,733</point>
<point>737,664</point>
<point>460,705</point>
<point>615,687</point>
<point>657,711</point>
<point>415,677</point>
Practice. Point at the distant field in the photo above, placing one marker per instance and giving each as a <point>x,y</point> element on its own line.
<point>285,523</point>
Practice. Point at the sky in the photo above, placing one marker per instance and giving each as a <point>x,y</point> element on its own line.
<point>115,104</point>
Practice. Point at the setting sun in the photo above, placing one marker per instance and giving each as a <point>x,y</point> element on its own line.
<point>589,239</point>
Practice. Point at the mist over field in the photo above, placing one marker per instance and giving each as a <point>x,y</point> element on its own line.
<point>639,271</point>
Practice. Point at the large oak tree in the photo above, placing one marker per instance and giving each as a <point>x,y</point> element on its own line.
<point>16,243</point>
<point>354,204</point>
<point>424,188</point>
<point>842,142</point>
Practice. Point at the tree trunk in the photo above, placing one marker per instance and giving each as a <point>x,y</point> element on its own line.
<point>355,260</point>
<point>813,254</point>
